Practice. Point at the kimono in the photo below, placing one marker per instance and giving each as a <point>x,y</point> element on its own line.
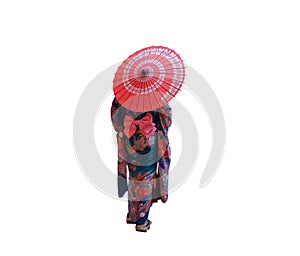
<point>143,149</point>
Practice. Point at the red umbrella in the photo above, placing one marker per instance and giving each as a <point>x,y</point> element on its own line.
<point>149,78</point>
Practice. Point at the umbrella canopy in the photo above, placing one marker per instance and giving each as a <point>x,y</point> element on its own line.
<point>149,79</point>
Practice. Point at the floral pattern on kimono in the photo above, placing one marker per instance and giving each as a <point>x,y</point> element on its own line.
<point>147,159</point>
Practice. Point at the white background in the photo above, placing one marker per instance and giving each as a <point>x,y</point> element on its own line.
<point>249,53</point>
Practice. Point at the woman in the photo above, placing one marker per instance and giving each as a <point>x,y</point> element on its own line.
<point>143,147</point>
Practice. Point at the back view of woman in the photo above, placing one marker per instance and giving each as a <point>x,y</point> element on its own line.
<point>143,85</point>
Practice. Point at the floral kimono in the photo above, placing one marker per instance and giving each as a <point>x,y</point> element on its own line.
<point>143,148</point>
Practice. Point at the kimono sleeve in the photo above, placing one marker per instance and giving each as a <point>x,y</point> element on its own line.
<point>164,151</point>
<point>117,122</point>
